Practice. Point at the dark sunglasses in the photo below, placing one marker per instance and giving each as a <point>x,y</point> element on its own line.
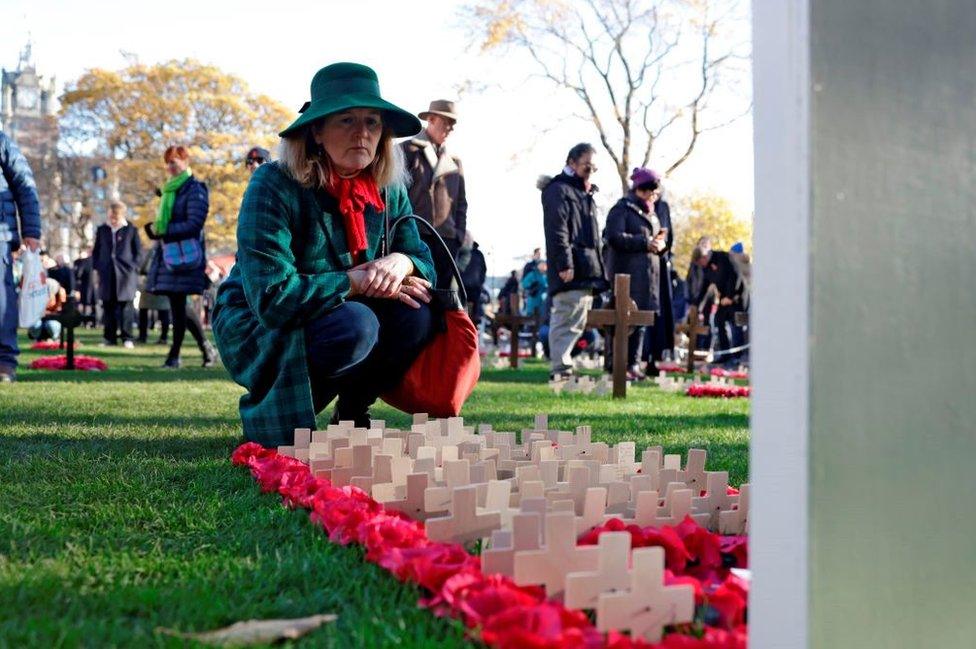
<point>254,161</point>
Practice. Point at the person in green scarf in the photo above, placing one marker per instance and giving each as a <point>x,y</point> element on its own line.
<point>166,201</point>
<point>183,207</point>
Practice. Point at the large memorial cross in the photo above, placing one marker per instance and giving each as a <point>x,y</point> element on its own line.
<point>621,318</point>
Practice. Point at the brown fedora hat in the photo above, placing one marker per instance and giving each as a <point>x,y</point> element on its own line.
<point>441,107</point>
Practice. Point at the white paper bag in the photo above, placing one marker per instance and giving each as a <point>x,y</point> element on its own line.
<point>33,289</point>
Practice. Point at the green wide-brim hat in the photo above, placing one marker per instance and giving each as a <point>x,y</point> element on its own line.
<point>342,86</point>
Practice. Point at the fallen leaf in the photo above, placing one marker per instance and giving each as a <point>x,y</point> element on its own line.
<point>242,634</point>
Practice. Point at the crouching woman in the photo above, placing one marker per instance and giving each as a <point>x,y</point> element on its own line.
<point>314,310</point>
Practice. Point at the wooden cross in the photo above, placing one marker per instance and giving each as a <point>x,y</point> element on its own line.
<point>500,557</point>
<point>464,522</point>
<point>736,521</point>
<point>413,503</point>
<point>694,473</point>
<point>692,329</point>
<point>649,605</point>
<point>621,318</point>
<point>716,500</point>
<point>514,319</point>
<point>583,589</point>
<point>560,556</point>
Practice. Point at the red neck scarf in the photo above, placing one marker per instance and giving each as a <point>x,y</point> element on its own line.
<point>354,194</point>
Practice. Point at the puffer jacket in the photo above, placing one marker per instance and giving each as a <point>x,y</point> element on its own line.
<point>18,196</point>
<point>189,215</point>
<point>572,235</point>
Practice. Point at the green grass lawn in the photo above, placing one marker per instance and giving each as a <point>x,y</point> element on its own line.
<point>120,511</point>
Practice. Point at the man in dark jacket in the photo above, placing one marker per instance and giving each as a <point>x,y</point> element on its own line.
<point>719,271</point>
<point>18,202</point>
<point>116,258</point>
<point>437,185</point>
<point>573,249</point>
<point>474,272</point>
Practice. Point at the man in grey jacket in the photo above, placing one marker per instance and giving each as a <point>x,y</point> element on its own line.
<point>18,203</point>
<point>437,185</point>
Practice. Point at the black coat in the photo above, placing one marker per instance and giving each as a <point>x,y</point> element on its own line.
<point>117,265</point>
<point>189,215</point>
<point>84,281</point>
<point>721,272</point>
<point>628,234</point>
<point>665,319</point>
<point>572,235</point>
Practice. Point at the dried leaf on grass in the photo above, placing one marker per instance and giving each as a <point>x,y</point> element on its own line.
<point>242,634</point>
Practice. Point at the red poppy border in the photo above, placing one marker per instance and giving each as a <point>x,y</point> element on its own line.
<point>89,363</point>
<point>494,608</point>
<point>714,390</point>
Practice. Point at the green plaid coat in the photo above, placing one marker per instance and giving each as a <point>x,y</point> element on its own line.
<point>291,267</point>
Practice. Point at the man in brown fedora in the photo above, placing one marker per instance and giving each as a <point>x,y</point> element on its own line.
<point>437,186</point>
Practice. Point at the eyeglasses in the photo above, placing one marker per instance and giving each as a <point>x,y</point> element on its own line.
<point>590,167</point>
<point>254,161</point>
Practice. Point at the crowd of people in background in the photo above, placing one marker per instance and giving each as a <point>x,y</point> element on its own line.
<point>637,240</point>
<point>120,283</point>
<point>130,283</point>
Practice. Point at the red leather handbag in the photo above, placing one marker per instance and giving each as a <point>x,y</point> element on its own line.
<point>445,373</point>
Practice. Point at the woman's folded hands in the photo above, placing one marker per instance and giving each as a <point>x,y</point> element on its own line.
<point>389,277</point>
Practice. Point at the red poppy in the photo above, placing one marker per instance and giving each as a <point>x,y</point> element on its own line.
<point>736,547</point>
<point>478,597</point>
<point>703,547</point>
<point>729,601</point>
<point>540,626</point>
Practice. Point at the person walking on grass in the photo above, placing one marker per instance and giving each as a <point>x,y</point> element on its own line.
<point>116,258</point>
<point>19,206</point>
<point>179,259</point>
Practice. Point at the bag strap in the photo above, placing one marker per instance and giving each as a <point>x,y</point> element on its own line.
<point>391,230</point>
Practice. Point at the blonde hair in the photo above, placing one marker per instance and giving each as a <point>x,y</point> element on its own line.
<point>311,167</point>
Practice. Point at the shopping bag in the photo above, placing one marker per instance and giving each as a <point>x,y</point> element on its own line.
<point>33,289</point>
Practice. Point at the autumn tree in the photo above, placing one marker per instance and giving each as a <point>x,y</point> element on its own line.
<point>644,72</point>
<point>126,119</point>
<point>711,215</point>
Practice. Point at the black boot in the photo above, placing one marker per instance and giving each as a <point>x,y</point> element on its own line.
<point>360,419</point>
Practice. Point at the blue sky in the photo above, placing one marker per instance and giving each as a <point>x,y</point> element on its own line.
<point>507,136</point>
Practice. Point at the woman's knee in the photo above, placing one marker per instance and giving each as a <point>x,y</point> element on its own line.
<point>344,336</point>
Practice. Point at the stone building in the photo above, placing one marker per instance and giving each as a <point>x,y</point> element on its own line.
<point>28,115</point>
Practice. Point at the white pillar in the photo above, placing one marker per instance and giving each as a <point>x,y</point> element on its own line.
<point>864,420</point>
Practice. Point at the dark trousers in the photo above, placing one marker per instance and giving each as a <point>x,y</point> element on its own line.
<point>634,343</point>
<point>117,317</point>
<point>183,319</point>
<point>8,311</point>
<point>725,323</point>
<point>144,324</point>
<point>442,265</point>
<point>361,348</point>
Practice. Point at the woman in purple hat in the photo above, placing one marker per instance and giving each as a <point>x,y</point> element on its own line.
<point>637,241</point>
